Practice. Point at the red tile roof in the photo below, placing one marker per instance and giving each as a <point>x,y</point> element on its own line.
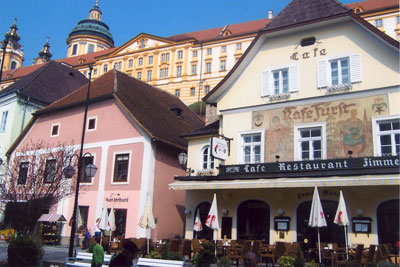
<point>148,106</point>
<point>374,5</point>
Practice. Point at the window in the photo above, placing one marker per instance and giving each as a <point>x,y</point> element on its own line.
<point>339,71</point>
<point>142,42</point>
<point>13,65</point>
<point>387,135</point>
<point>105,68</point>
<point>130,63</point>
<point>121,167</point>
<point>139,75</point>
<point>207,89</point>
<point>208,67</point>
<point>49,171</point>
<point>94,72</point>
<point>180,54</point>
<point>378,22</point>
<point>223,65</point>
<point>223,49</point>
<point>74,49</point>
<point>194,53</point>
<point>167,57</point>
<point>118,65</point>
<point>279,81</point>
<point>192,91</point>
<point>140,61</point>
<point>149,74</point>
<point>23,172</point>
<point>194,69</point>
<point>398,19</point>
<point>207,162</point>
<point>251,147</point>
<point>91,124</point>
<point>82,221</point>
<point>3,121</point>
<point>55,130</point>
<point>86,161</point>
<point>310,142</point>
<point>164,73</point>
<point>209,51</point>
<point>177,92</point>
<point>150,60</point>
<point>239,46</point>
<point>164,57</point>
<point>90,48</point>
<point>178,71</point>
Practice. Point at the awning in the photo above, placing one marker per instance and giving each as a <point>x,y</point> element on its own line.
<point>333,181</point>
<point>52,218</point>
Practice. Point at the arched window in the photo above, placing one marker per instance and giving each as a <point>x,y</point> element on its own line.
<point>207,162</point>
<point>13,65</point>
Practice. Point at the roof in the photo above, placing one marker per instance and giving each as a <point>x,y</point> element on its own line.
<point>374,5</point>
<point>210,129</point>
<point>52,218</point>
<point>215,33</point>
<point>92,27</point>
<point>151,108</point>
<point>48,83</point>
<point>299,11</point>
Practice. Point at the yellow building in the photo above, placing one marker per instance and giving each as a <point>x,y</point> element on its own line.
<point>305,106</point>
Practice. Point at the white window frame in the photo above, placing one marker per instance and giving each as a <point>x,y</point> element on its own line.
<point>297,145</point>
<point>3,122</point>
<point>324,71</point>
<point>149,75</point>
<point>130,63</point>
<point>139,75</point>
<point>223,65</point>
<point>209,159</point>
<point>267,80</point>
<point>378,23</point>
<point>240,154</point>
<point>129,152</point>
<point>180,54</point>
<point>58,131</point>
<point>150,60</point>
<point>140,61</point>
<point>177,92</point>
<point>44,171</point>
<point>209,51</point>
<point>178,71</point>
<point>194,69</point>
<point>95,124</point>
<point>239,46</point>
<point>19,170</point>
<point>223,49</point>
<point>375,132</point>
<point>208,67</point>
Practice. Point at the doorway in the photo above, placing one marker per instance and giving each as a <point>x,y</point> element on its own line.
<point>253,220</point>
<point>388,221</point>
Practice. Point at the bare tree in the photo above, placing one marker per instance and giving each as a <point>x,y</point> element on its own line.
<point>33,182</point>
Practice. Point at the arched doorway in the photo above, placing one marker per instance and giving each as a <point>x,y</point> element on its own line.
<point>203,210</point>
<point>388,221</point>
<point>333,233</point>
<point>253,220</point>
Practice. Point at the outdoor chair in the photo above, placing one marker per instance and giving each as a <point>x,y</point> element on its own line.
<point>391,257</point>
<point>289,250</point>
<point>369,255</point>
<point>236,254</point>
<point>354,258</point>
<point>196,246</point>
<point>186,249</point>
<point>273,253</point>
<point>256,247</point>
<point>173,245</point>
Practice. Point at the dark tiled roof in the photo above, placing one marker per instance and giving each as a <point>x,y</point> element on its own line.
<point>300,11</point>
<point>148,106</point>
<point>210,129</point>
<point>47,84</point>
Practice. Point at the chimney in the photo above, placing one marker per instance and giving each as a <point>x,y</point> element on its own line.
<point>270,14</point>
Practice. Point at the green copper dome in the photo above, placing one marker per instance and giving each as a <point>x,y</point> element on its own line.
<point>92,27</point>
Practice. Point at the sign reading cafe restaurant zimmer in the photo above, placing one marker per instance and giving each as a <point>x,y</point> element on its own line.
<point>365,165</point>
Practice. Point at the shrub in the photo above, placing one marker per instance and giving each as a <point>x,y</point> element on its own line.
<point>206,255</point>
<point>169,255</point>
<point>385,264</point>
<point>25,251</point>
<point>286,261</point>
<point>224,262</point>
<point>299,261</point>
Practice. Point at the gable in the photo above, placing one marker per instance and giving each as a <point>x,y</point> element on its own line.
<point>140,43</point>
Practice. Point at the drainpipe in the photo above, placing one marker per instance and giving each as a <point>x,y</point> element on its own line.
<point>201,72</point>
<point>23,116</point>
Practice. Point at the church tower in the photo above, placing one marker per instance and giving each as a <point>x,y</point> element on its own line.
<point>44,54</point>
<point>13,54</point>
<point>89,35</point>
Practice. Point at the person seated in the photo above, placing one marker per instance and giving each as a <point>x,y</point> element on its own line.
<point>125,258</point>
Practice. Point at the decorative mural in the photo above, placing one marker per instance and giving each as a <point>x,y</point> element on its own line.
<point>348,123</point>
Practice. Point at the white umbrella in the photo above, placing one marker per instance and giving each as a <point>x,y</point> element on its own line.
<point>212,218</point>
<point>341,218</point>
<point>102,224</point>
<point>111,221</point>
<point>197,224</point>
<point>317,217</point>
<point>147,221</point>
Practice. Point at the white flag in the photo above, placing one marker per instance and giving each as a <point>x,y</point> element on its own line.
<point>341,217</point>
<point>212,218</point>
<point>317,217</point>
<point>197,224</point>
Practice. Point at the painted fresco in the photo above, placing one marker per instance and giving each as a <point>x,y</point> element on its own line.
<point>348,124</point>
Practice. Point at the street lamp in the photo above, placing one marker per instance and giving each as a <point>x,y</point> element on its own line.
<point>80,161</point>
<point>182,158</point>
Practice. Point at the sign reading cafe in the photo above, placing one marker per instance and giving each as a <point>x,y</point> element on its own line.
<point>297,167</point>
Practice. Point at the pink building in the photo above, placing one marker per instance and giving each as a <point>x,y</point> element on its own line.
<point>133,132</point>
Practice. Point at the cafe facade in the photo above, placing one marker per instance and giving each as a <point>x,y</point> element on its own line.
<point>314,101</point>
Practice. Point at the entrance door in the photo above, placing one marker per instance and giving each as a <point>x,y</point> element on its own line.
<point>253,220</point>
<point>388,221</point>
<point>333,233</point>
<point>203,210</point>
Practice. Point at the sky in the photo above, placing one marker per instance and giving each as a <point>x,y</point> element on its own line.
<point>126,18</point>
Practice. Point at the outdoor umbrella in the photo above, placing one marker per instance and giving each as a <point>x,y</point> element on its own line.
<point>212,218</point>
<point>197,224</point>
<point>111,223</point>
<point>102,224</point>
<point>317,217</point>
<point>341,218</point>
<point>147,221</point>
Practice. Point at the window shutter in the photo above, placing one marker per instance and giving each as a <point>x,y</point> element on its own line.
<point>322,74</point>
<point>265,83</point>
<point>293,79</point>
<point>355,68</point>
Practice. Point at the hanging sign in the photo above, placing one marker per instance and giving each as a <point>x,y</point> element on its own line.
<point>219,148</point>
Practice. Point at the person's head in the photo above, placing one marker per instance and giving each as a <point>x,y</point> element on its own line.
<point>129,249</point>
<point>98,239</point>
<point>249,259</point>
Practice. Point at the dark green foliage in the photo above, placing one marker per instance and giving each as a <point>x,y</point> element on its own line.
<point>25,251</point>
<point>169,255</point>
<point>199,108</point>
<point>206,255</point>
<point>299,261</point>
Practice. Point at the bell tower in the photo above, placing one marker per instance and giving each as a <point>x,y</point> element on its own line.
<point>11,55</point>
<point>44,54</point>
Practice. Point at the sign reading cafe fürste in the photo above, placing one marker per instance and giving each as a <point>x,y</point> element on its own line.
<point>296,167</point>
